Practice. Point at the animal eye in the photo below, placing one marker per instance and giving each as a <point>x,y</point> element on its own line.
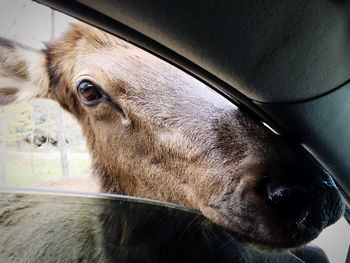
<point>88,92</point>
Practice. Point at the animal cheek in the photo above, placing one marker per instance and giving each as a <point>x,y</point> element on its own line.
<point>98,113</point>
<point>238,203</point>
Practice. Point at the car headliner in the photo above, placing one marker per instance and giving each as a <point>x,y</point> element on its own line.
<point>286,61</point>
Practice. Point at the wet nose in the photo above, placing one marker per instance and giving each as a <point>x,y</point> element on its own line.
<point>315,204</point>
<point>291,202</point>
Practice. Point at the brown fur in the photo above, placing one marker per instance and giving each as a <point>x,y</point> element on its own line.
<point>176,140</point>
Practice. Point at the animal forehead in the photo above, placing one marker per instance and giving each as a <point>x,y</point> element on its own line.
<point>90,41</point>
<point>136,70</point>
<point>123,72</point>
<point>147,78</point>
<point>113,60</point>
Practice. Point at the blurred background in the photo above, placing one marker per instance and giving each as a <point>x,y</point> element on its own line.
<point>41,144</point>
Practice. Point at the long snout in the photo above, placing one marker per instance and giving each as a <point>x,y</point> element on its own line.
<point>274,195</point>
<point>286,206</point>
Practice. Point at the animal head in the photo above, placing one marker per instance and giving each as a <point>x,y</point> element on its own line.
<point>155,132</point>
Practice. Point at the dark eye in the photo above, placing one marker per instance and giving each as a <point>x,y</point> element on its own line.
<point>88,92</point>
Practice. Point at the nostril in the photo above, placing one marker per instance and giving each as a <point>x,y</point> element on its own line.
<point>290,202</point>
<point>277,193</point>
<point>307,202</point>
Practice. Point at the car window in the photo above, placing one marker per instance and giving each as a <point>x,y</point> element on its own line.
<point>44,147</point>
<point>166,233</point>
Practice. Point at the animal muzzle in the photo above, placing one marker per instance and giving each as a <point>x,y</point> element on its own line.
<point>277,205</point>
<point>312,204</point>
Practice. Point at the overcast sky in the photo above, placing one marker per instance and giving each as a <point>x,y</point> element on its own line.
<point>29,22</point>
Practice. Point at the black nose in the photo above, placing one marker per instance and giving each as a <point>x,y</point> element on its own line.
<point>316,203</point>
<point>291,202</point>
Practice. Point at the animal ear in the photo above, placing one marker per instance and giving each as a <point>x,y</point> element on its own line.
<point>23,73</point>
